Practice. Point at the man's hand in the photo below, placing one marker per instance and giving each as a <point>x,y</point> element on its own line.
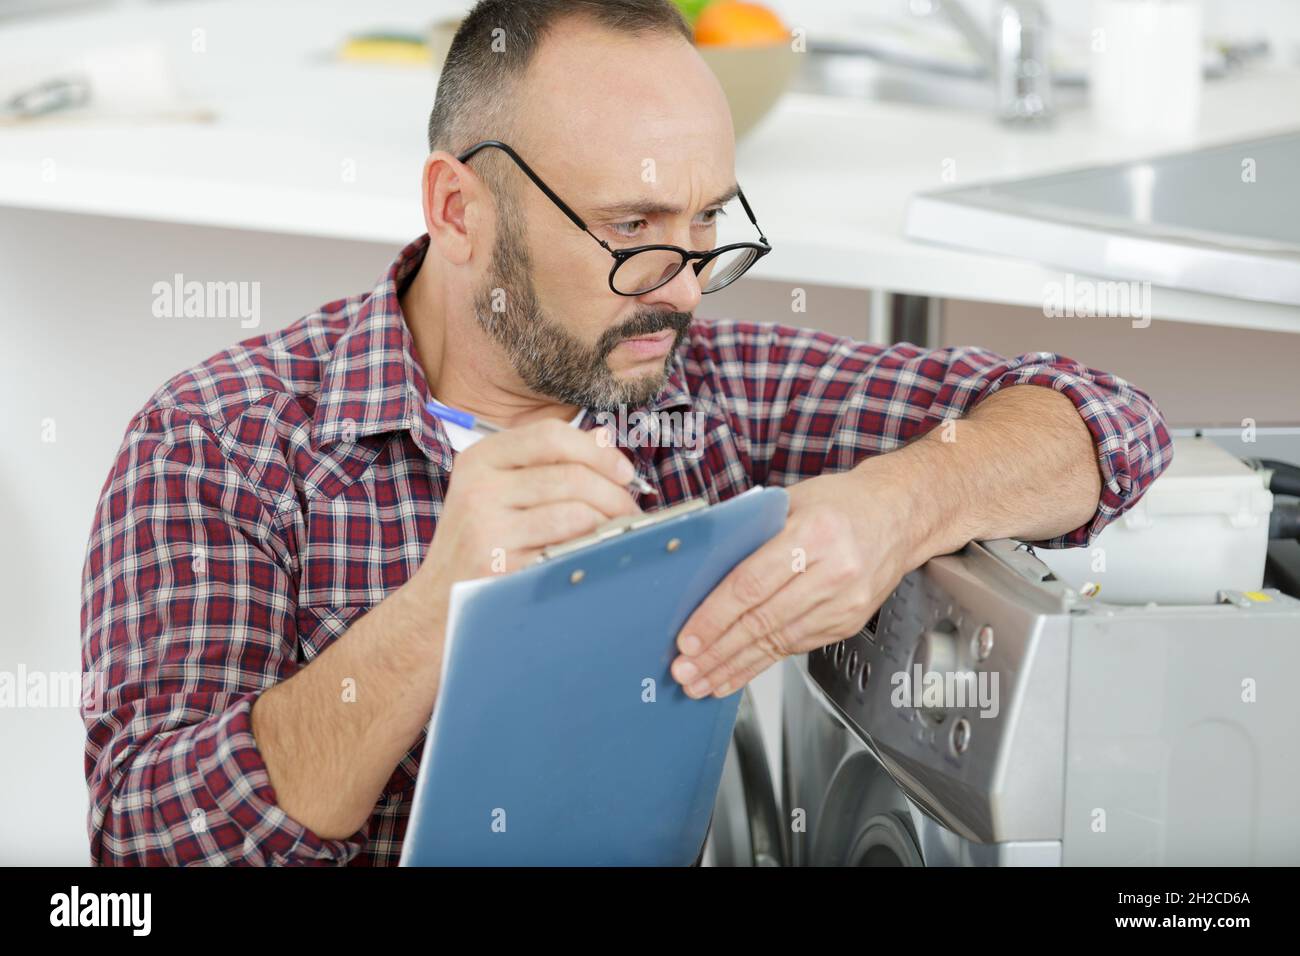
<point>516,492</point>
<point>842,551</point>
<point>1022,464</point>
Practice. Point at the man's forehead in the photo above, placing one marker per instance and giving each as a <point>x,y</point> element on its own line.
<point>658,168</point>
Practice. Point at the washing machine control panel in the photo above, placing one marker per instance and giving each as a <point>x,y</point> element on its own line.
<point>920,664</point>
<point>936,684</point>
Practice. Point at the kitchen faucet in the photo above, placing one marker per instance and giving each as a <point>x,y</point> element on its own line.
<point>1016,55</point>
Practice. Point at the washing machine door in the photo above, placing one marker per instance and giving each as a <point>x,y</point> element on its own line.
<point>746,827</point>
<point>849,811</point>
<point>866,819</point>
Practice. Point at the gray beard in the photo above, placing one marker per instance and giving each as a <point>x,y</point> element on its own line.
<point>546,356</point>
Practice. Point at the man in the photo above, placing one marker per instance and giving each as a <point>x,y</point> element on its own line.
<point>267,579</point>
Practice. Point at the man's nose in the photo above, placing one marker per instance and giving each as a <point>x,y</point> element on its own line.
<point>682,292</point>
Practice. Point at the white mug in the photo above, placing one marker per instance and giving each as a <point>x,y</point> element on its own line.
<point>1146,66</point>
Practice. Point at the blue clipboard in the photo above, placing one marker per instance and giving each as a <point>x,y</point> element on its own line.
<point>559,737</point>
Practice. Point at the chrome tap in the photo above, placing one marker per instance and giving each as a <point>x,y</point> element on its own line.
<point>1022,71</point>
<point>1015,55</point>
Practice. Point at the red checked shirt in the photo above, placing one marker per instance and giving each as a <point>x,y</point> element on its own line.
<point>266,499</point>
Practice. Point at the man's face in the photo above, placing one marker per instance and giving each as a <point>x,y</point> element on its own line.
<point>606,120</point>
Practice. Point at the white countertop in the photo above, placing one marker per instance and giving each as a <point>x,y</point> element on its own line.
<point>829,178</point>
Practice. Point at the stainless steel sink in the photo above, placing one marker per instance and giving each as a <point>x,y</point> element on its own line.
<point>1223,220</point>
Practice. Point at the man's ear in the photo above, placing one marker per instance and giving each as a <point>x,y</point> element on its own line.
<point>452,212</point>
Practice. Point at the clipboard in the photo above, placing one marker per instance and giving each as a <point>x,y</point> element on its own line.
<point>559,737</point>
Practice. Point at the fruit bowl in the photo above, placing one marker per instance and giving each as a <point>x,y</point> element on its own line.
<point>753,77</point>
<point>749,48</point>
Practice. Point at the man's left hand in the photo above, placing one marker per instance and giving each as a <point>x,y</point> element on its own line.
<point>843,549</point>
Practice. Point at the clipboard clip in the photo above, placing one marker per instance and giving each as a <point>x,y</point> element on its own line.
<point>617,526</point>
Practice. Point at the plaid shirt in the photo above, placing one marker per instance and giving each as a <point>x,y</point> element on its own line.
<point>263,501</point>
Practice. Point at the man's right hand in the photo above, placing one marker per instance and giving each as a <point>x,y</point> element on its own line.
<point>516,492</point>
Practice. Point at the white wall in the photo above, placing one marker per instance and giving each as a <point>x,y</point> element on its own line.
<point>81,347</point>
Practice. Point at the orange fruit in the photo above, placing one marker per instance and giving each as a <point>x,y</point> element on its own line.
<point>737,23</point>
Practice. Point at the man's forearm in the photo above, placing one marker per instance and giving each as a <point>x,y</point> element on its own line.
<point>1022,464</point>
<point>331,735</point>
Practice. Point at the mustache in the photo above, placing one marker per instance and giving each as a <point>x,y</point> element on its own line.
<point>645,323</point>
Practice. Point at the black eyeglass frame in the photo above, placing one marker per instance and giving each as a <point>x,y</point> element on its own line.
<point>760,248</point>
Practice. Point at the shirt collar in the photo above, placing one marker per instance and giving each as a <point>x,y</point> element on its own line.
<point>373,384</point>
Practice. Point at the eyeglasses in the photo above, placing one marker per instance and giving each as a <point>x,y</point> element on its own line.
<point>641,269</point>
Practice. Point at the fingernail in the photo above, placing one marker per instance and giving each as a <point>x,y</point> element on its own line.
<point>685,671</point>
<point>690,644</point>
<point>699,688</point>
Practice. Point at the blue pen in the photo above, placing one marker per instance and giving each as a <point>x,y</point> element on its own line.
<point>468,421</point>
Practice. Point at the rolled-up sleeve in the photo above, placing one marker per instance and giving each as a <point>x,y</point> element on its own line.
<point>187,616</point>
<point>1129,435</point>
<point>809,402</point>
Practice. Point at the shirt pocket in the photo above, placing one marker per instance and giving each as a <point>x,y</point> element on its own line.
<point>320,626</point>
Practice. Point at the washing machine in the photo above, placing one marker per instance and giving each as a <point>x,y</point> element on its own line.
<point>747,827</point>
<point>1058,729</point>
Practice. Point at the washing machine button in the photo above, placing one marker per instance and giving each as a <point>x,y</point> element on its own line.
<point>959,739</point>
<point>864,675</point>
